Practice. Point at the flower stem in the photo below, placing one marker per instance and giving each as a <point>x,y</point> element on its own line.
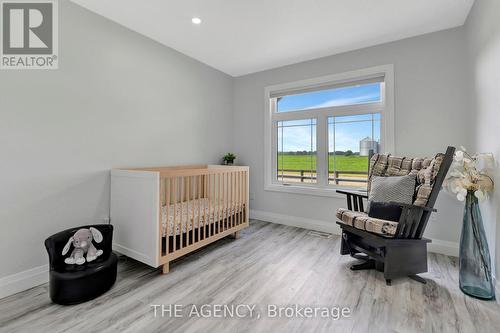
<point>477,239</point>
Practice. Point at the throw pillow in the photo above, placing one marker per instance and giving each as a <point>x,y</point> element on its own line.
<point>395,188</point>
<point>385,211</point>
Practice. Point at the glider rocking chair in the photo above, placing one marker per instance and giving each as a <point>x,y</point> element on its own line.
<point>395,248</point>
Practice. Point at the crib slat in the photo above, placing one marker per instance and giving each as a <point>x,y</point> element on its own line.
<point>182,195</point>
<point>219,204</point>
<point>246,195</point>
<point>231,203</point>
<point>206,225</point>
<point>237,208</point>
<point>176,187</point>
<point>242,196</point>
<point>199,206</point>
<point>167,213</point>
<point>205,230</point>
<point>193,200</point>
<point>212,221</point>
<point>212,211</point>
<point>160,216</point>
<point>236,198</point>
<point>228,206</point>
<point>192,183</point>
<point>187,189</point>
<point>239,197</point>
<point>207,213</point>
<point>224,196</point>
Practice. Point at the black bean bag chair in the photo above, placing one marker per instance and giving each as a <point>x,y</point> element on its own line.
<point>73,284</point>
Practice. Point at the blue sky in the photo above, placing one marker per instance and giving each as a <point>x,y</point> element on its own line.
<point>332,97</point>
<point>297,134</point>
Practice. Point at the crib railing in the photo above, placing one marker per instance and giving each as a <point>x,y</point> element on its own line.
<point>206,203</point>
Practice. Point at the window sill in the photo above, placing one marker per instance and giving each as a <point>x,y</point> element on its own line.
<point>309,190</point>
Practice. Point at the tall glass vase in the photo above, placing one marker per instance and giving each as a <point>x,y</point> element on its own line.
<point>475,263</point>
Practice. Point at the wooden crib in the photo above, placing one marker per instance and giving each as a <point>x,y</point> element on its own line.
<point>161,214</point>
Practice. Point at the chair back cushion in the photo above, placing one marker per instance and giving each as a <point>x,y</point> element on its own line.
<point>424,169</point>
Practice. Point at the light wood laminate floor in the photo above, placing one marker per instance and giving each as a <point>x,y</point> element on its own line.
<point>269,264</point>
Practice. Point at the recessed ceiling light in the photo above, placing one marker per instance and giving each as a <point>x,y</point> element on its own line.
<point>196,20</point>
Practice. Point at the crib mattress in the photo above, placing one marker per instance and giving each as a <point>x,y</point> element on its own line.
<point>186,215</point>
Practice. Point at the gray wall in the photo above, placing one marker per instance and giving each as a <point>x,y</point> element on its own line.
<point>117,100</point>
<point>431,111</point>
<point>483,39</point>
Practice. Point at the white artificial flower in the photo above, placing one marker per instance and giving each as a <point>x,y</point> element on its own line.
<point>459,156</point>
<point>479,195</point>
<point>456,173</point>
<point>468,173</point>
<point>462,194</point>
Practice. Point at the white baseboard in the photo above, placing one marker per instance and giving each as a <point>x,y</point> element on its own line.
<point>437,245</point>
<point>300,222</point>
<point>30,278</point>
<point>134,254</point>
<point>497,290</point>
<point>444,247</point>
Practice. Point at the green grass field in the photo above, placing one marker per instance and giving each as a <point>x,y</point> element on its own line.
<point>305,162</point>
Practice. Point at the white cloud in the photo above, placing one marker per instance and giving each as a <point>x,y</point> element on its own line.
<point>346,101</point>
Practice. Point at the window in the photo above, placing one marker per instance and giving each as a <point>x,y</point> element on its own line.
<point>296,151</point>
<point>321,132</point>
<point>351,139</point>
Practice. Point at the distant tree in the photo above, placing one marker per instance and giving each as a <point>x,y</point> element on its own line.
<point>348,153</point>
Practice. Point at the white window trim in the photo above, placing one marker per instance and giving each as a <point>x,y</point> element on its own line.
<point>387,124</point>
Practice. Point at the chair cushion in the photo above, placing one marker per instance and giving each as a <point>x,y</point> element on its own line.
<point>391,189</point>
<point>425,169</point>
<point>362,221</point>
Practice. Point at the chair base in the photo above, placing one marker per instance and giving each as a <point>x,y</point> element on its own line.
<point>394,257</point>
<point>369,264</point>
<point>373,264</point>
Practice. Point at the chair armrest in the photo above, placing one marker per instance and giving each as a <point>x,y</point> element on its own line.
<point>354,199</point>
<point>354,193</point>
<point>410,206</point>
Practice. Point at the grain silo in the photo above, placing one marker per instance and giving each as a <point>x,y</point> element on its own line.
<point>366,144</point>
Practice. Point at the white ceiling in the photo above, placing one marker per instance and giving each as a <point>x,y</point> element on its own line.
<point>245,36</point>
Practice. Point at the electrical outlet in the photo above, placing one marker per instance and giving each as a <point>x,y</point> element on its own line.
<point>105,220</point>
<point>252,195</point>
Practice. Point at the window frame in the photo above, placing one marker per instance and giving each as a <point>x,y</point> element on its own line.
<point>385,107</point>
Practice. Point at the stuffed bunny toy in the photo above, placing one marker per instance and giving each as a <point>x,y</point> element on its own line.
<point>82,243</point>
